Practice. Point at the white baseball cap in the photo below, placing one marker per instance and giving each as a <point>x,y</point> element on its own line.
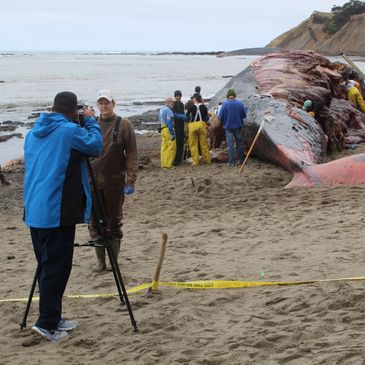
<point>106,94</point>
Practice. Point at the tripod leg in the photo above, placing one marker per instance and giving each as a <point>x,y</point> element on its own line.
<point>111,255</point>
<point>120,286</point>
<point>27,308</point>
<point>102,226</point>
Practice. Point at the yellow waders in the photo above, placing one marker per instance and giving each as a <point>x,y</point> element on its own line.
<point>354,96</point>
<point>198,138</point>
<point>168,149</point>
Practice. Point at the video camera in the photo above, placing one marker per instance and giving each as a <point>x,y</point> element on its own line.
<point>80,118</point>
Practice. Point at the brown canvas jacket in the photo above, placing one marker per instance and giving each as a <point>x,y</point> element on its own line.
<point>117,164</point>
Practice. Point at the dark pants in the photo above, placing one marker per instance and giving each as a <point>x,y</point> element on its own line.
<point>233,135</point>
<point>180,135</point>
<point>53,248</point>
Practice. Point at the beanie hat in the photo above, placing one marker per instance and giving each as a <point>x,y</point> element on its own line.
<point>307,105</point>
<point>231,92</point>
<point>177,93</point>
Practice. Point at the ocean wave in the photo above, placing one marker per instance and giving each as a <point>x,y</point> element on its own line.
<point>10,54</point>
<point>32,105</point>
<point>148,102</point>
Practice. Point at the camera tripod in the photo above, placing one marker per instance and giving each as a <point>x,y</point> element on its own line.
<point>99,215</point>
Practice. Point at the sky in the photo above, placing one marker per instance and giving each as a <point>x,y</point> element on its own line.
<point>149,25</point>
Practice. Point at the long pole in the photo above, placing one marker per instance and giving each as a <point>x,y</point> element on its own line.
<point>351,63</point>
<point>252,145</point>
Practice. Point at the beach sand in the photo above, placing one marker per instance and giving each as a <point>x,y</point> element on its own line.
<point>220,226</point>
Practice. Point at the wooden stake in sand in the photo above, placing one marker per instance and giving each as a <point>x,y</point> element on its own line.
<point>156,277</point>
<point>252,145</point>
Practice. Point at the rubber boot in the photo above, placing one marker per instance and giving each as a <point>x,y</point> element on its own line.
<point>338,145</point>
<point>116,249</point>
<point>100,259</point>
<point>332,147</point>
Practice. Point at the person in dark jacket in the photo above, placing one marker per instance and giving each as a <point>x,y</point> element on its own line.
<point>56,198</point>
<point>197,115</point>
<point>231,114</point>
<point>179,123</point>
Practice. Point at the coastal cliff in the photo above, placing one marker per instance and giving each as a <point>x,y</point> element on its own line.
<point>314,34</point>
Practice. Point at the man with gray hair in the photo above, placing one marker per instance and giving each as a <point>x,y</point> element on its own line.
<point>168,136</point>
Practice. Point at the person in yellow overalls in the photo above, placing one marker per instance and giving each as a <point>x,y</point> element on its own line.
<point>197,130</point>
<point>168,136</point>
<point>354,95</point>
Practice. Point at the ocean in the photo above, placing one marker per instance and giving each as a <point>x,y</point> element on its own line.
<point>139,82</point>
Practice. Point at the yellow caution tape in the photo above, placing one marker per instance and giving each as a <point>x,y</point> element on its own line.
<point>154,285</point>
<point>203,284</point>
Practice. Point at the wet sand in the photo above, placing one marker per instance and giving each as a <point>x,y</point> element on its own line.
<point>220,225</point>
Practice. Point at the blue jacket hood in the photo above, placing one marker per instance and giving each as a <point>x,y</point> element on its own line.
<point>47,123</point>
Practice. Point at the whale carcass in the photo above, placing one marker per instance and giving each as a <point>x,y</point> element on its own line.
<point>275,87</point>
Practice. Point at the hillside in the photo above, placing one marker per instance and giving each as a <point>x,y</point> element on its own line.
<point>311,35</point>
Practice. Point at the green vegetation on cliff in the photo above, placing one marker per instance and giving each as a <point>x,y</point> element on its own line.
<point>342,14</point>
<point>341,30</point>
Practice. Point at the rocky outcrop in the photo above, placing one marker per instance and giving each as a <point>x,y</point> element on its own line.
<point>148,120</point>
<point>9,136</point>
<point>8,128</point>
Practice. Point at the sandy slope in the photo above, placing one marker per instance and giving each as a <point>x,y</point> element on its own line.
<point>311,35</point>
<point>226,227</point>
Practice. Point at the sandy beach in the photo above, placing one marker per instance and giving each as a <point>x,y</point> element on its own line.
<point>220,226</point>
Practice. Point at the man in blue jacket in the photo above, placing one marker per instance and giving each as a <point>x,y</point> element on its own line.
<point>56,198</point>
<point>231,114</point>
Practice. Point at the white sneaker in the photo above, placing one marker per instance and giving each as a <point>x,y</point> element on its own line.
<point>64,325</point>
<point>50,335</point>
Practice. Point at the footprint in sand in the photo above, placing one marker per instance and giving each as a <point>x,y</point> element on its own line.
<point>32,341</point>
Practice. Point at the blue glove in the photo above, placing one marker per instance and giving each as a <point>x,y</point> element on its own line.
<point>179,116</point>
<point>128,190</point>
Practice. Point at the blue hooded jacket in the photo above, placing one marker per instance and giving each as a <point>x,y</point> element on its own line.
<point>56,188</point>
<point>167,120</point>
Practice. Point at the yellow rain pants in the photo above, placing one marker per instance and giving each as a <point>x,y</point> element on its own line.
<point>168,149</point>
<point>198,138</point>
<point>354,96</point>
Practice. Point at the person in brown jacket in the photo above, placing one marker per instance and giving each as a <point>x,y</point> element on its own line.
<point>115,171</point>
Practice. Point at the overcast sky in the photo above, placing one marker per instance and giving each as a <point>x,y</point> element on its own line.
<point>149,25</point>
